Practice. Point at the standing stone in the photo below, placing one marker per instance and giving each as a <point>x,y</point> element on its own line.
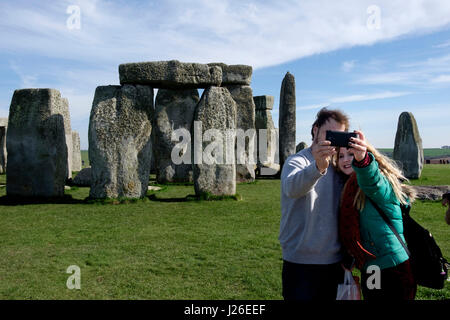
<point>170,74</point>
<point>36,143</point>
<point>76,154</point>
<point>68,133</point>
<point>267,144</point>
<point>213,150</point>
<point>83,178</point>
<point>246,133</point>
<point>302,145</point>
<point>237,79</point>
<point>3,153</point>
<point>152,158</point>
<point>119,141</point>
<point>174,109</point>
<point>408,151</point>
<point>286,120</point>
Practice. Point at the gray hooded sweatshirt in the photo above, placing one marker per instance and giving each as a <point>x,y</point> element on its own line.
<point>309,211</point>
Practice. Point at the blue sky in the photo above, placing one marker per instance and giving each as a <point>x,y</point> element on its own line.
<point>371,62</point>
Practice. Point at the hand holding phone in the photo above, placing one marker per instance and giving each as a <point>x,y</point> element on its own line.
<point>359,146</point>
<point>340,138</point>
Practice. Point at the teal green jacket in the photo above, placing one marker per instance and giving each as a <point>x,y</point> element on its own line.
<point>376,236</point>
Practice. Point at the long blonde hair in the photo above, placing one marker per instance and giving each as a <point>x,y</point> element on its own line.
<point>393,174</point>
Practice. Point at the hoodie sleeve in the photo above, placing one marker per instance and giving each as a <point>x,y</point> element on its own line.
<point>298,176</point>
<point>372,182</point>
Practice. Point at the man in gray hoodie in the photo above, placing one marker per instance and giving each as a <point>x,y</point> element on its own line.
<point>310,193</point>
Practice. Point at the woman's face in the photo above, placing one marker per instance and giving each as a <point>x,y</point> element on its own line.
<point>345,159</point>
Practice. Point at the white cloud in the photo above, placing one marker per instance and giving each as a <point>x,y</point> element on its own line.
<point>252,32</point>
<point>398,77</point>
<point>258,33</point>
<point>444,78</point>
<point>26,80</point>
<point>356,98</point>
<point>348,66</point>
<point>370,96</point>
<point>421,74</point>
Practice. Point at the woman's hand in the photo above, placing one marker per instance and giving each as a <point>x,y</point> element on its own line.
<point>359,146</point>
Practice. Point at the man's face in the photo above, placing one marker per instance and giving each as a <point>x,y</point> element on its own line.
<point>331,124</point>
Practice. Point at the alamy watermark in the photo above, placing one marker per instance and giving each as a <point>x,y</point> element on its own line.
<point>227,146</point>
<point>374,280</point>
<point>73,22</point>
<point>74,281</point>
<point>374,19</point>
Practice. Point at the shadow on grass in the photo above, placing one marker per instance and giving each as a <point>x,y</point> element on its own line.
<point>193,197</point>
<point>20,201</point>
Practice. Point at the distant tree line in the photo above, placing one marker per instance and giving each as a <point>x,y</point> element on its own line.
<point>445,147</point>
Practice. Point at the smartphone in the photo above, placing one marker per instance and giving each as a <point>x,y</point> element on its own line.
<point>340,138</point>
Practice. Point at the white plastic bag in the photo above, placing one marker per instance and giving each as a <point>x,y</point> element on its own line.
<point>349,290</point>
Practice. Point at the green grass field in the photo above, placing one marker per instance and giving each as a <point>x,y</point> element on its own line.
<point>427,152</point>
<point>85,158</point>
<point>159,248</point>
<point>433,175</point>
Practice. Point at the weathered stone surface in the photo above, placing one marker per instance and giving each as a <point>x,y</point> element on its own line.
<point>170,74</point>
<point>431,192</point>
<point>408,151</point>
<point>237,74</point>
<point>83,178</point>
<point>302,145</point>
<point>286,120</point>
<point>36,143</point>
<point>119,141</point>
<point>214,156</point>
<point>246,156</point>
<point>174,109</point>
<point>76,152</point>
<point>3,153</point>
<point>68,133</point>
<point>263,102</point>
<point>267,144</point>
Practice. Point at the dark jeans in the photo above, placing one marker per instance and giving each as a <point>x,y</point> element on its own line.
<point>311,281</point>
<point>397,283</point>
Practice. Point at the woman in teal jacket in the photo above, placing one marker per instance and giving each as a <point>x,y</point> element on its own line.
<point>375,247</point>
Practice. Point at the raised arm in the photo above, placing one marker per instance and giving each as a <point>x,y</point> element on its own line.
<point>371,181</point>
<point>298,177</point>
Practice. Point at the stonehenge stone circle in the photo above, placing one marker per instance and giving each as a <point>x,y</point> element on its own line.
<point>170,74</point>
<point>286,120</point>
<point>302,145</point>
<point>68,133</point>
<point>263,103</point>
<point>36,144</point>
<point>119,141</point>
<point>76,154</point>
<point>237,74</point>
<point>214,156</point>
<point>237,79</point>
<point>83,178</point>
<point>245,120</point>
<point>268,147</point>
<point>3,153</point>
<point>408,151</point>
<point>174,109</point>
